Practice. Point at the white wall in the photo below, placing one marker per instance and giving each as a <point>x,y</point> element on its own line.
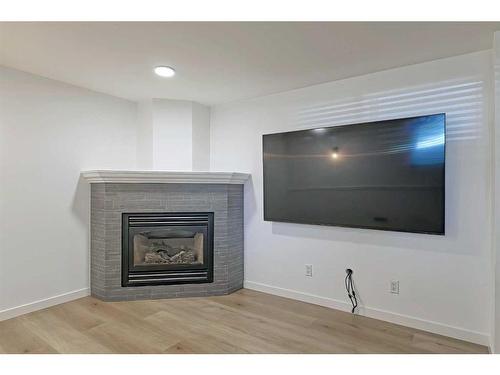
<point>145,135</point>
<point>201,137</point>
<point>496,242</point>
<point>49,133</point>
<point>444,280</point>
<point>173,135</point>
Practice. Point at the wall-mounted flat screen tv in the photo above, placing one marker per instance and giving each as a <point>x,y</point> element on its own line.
<point>387,175</point>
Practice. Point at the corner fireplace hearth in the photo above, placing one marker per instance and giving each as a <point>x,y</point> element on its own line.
<point>167,248</point>
<point>173,214</point>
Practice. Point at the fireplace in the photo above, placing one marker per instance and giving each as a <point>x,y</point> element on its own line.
<point>163,208</point>
<point>167,248</point>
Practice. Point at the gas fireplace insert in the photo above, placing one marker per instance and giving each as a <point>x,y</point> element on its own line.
<point>167,248</point>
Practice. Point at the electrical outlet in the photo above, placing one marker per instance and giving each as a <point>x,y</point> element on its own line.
<point>394,288</point>
<point>309,270</point>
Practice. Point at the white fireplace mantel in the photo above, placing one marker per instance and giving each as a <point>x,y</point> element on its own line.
<point>163,177</point>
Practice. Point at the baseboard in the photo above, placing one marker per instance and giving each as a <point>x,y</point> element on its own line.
<point>43,304</point>
<point>405,320</point>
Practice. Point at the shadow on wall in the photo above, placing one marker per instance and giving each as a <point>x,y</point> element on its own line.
<point>81,201</point>
<point>249,204</point>
<point>467,161</point>
<point>81,208</point>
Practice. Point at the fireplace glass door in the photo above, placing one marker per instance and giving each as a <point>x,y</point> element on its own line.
<point>167,248</point>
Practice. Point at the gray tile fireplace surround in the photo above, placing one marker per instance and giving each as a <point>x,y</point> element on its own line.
<point>223,196</point>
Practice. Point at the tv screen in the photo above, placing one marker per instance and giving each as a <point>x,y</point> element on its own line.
<point>387,175</point>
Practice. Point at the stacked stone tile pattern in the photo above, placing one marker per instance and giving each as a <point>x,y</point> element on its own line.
<point>110,200</point>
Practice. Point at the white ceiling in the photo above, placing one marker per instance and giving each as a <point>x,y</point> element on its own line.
<point>219,62</point>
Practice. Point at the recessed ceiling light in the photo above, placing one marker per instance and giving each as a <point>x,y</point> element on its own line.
<point>164,71</point>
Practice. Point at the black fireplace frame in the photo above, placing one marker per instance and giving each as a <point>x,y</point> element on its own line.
<point>133,276</point>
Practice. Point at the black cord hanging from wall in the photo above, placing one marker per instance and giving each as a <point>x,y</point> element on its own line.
<point>349,286</point>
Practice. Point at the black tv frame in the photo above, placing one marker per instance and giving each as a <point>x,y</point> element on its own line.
<point>384,121</point>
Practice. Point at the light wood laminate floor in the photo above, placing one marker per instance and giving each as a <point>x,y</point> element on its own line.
<point>244,322</point>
